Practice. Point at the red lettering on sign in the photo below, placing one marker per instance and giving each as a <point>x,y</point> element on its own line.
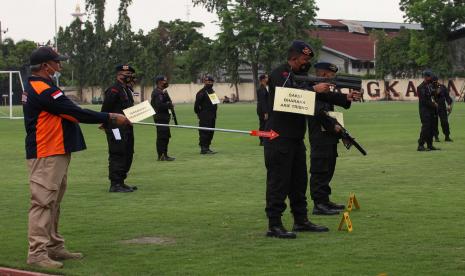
<point>390,89</point>
<point>411,89</point>
<point>370,93</point>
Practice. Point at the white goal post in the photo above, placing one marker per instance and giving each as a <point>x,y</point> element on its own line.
<point>10,92</point>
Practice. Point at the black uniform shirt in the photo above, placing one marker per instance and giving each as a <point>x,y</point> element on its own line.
<point>262,100</point>
<point>203,104</point>
<point>117,98</point>
<point>292,125</point>
<point>443,97</point>
<point>161,102</point>
<point>425,95</point>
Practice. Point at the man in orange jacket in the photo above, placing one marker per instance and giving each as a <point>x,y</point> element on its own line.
<point>52,133</point>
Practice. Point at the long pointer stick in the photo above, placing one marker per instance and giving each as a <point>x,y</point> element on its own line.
<point>268,134</point>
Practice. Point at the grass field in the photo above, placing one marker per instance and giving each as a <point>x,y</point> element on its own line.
<point>210,209</point>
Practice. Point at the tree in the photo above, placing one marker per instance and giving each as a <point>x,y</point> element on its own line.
<point>262,29</point>
<point>438,18</point>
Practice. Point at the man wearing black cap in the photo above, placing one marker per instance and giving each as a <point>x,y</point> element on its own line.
<point>162,103</point>
<point>427,108</point>
<point>52,133</point>
<point>285,157</point>
<point>205,108</point>
<point>444,102</point>
<point>324,136</point>
<point>120,140</point>
<point>262,103</point>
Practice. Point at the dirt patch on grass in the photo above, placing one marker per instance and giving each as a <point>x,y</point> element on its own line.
<point>150,240</point>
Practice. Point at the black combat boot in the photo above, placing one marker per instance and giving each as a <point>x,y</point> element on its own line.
<point>120,188</point>
<point>307,226</point>
<point>320,208</point>
<point>448,139</point>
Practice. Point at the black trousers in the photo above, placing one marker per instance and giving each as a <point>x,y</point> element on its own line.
<point>286,166</point>
<point>163,135</point>
<point>261,119</point>
<point>435,124</point>
<point>427,131</point>
<point>322,166</point>
<point>442,113</point>
<point>120,153</point>
<point>206,137</point>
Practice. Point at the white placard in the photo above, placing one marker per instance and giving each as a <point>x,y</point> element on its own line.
<point>214,98</point>
<point>139,112</point>
<point>116,134</point>
<point>294,101</point>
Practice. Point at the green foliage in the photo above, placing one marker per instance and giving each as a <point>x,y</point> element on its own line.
<point>257,32</point>
<point>438,18</point>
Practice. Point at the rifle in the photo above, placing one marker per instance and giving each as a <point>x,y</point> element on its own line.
<point>348,141</point>
<point>174,115</point>
<point>351,82</point>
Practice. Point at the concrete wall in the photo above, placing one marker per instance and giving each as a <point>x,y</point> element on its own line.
<point>179,93</point>
<point>374,90</point>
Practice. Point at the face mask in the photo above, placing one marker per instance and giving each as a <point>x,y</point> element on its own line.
<point>208,85</point>
<point>165,85</point>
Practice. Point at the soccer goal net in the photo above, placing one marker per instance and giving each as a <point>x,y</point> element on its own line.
<point>11,90</point>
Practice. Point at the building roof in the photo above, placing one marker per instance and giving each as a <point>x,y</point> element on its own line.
<point>338,23</point>
<point>352,45</point>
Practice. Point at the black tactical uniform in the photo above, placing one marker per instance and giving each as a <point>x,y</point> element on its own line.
<point>206,112</point>
<point>120,140</point>
<point>262,107</point>
<point>443,99</point>
<point>285,156</point>
<point>427,109</point>
<point>323,154</point>
<point>162,103</point>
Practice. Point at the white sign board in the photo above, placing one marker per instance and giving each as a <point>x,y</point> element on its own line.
<point>139,112</point>
<point>214,98</point>
<point>294,101</point>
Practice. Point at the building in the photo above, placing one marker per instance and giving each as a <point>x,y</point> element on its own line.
<point>457,50</point>
<point>348,44</point>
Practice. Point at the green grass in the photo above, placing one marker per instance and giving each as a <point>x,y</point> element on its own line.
<point>410,222</point>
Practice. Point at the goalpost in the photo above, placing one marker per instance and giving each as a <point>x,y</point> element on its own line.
<point>9,97</point>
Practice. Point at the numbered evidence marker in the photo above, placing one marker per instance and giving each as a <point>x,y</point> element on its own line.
<point>214,98</point>
<point>339,116</point>
<point>345,220</point>
<point>353,202</point>
<point>139,112</point>
<point>294,101</point>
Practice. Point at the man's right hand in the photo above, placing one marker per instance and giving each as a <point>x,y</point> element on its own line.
<point>337,128</point>
<point>119,119</point>
<point>322,87</point>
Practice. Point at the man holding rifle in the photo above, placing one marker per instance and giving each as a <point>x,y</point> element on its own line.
<point>324,135</point>
<point>285,157</point>
<point>162,104</point>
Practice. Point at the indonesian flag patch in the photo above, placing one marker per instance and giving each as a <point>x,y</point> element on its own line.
<point>57,94</point>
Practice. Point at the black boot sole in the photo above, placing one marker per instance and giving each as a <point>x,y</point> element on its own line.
<point>274,235</point>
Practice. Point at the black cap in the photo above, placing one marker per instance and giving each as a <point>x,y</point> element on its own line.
<point>428,73</point>
<point>160,78</point>
<point>44,54</point>
<point>326,66</point>
<point>208,78</point>
<point>125,67</point>
<point>302,47</point>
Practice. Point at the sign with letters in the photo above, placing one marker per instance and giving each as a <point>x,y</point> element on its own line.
<point>214,98</point>
<point>139,112</point>
<point>294,101</point>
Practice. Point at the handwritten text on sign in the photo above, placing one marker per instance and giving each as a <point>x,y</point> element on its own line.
<point>139,112</point>
<point>294,101</point>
